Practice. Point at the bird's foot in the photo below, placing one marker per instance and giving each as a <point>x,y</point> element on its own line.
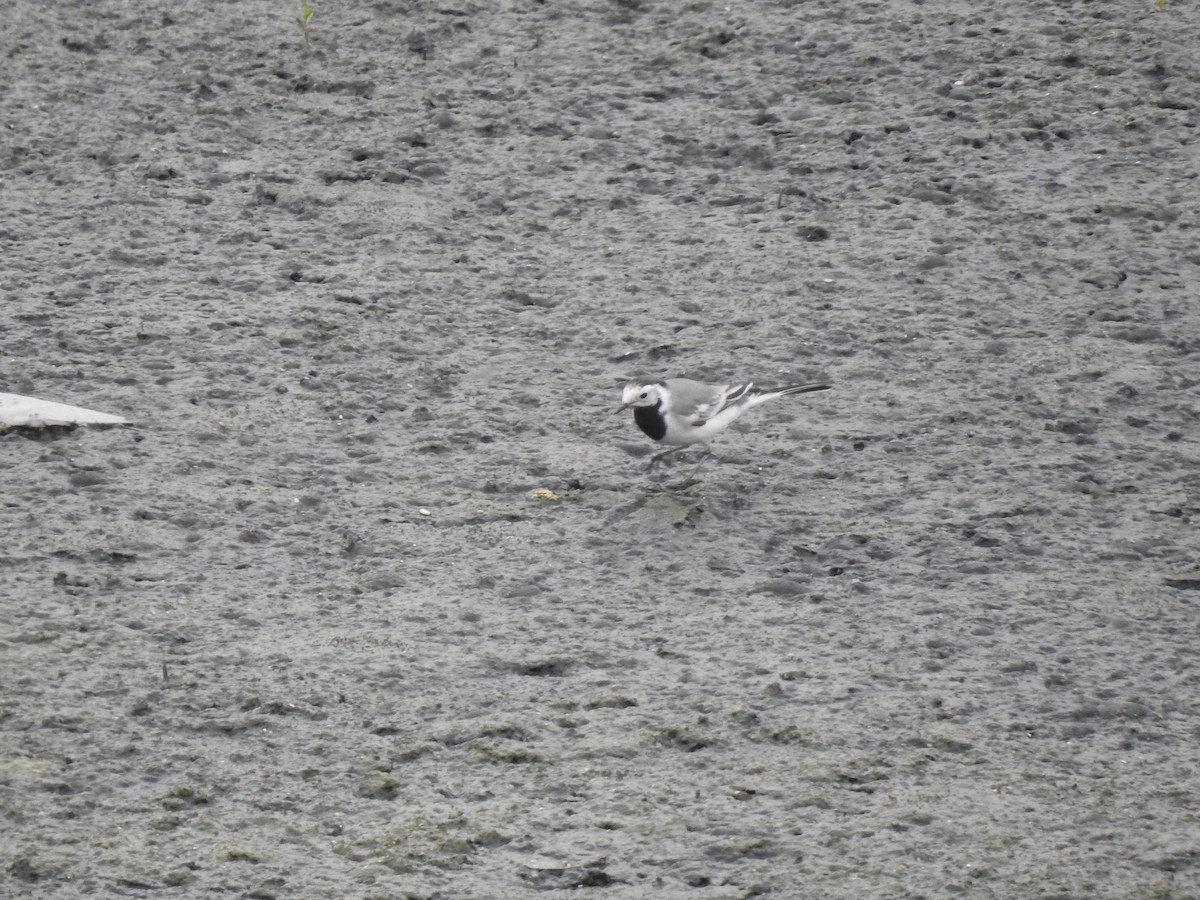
<point>704,454</point>
<point>658,457</point>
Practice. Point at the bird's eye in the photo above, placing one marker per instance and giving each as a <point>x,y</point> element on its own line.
<point>645,395</point>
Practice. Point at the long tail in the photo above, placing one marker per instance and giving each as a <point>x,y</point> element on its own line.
<point>760,396</point>
<point>801,389</point>
<point>755,396</point>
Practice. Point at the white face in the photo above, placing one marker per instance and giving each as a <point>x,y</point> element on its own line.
<point>639,395</point>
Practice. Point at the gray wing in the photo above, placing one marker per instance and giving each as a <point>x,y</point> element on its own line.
<point>698,402</point>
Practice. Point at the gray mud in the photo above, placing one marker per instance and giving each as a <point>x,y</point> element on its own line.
<point>303,631</point>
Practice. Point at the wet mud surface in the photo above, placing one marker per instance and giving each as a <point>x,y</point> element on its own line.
<point>376,597</point>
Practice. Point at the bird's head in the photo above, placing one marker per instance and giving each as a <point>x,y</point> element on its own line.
<point>640,395</point>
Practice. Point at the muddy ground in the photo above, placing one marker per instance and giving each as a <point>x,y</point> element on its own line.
<point>304,630</point>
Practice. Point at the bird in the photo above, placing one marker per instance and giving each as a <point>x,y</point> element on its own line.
<point>19,411</point>
<point>681,412</point>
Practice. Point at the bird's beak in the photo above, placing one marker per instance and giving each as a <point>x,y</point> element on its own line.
<point>621,408</point>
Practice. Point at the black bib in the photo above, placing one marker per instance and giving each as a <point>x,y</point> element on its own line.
<point>650,420</point>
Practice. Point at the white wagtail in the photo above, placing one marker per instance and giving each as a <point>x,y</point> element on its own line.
<point>682,412</point>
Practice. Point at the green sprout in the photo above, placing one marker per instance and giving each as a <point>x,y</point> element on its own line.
<point>306,14</point>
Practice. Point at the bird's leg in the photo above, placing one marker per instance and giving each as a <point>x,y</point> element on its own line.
<point>704,453</point>
<point>703,456</point>
<point>657,457</point>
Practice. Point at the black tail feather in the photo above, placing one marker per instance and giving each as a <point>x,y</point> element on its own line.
<point>801,389</point>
